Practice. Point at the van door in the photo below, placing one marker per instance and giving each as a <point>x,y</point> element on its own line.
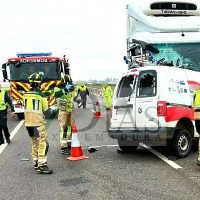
<point>146,101</point>
<point>123,114</point>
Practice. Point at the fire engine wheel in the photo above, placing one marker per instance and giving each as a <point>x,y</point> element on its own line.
<point>127,145</point>
<point>20,115</point>
<point>182,143</point>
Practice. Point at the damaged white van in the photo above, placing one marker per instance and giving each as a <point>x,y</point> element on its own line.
<point>153,105</point>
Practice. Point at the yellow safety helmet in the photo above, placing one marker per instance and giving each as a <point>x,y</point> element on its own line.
<point>35,78</point>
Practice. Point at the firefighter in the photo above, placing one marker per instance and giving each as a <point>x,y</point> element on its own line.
<point>65,101</point>
<point>4,100</point>
<point>35,111</point>
<point>196,105</point>
<point>83,92</point>
<point>107,94</point>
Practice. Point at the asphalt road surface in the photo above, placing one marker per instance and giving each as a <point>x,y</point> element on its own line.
<point>106,174</point>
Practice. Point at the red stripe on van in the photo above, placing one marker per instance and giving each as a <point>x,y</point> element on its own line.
<point>193,85</point>
<point>175,113</point>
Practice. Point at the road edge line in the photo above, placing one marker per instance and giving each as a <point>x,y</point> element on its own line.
<point>162,157</point>
<point>12,134</point>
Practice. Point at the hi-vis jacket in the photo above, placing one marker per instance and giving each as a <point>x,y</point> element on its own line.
<point>196,100</point>
<point>35,105</point>
<point>107,91</point>
<point>4,101</point>
<point>65,101</point>
<point>83,89</point>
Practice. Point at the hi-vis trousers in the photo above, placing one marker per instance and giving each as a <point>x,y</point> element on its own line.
<point>40,145</point>
<point>66,120</point>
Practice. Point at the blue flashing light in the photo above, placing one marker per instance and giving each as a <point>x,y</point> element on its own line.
<point>33,54</point>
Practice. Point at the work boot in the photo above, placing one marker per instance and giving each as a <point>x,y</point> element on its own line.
<point>198,163</point>
<point>36,165</point>
<point>8,140</point>
<point>65,151</point>
<point>44,170</point>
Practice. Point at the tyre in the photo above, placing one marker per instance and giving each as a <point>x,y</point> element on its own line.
<point>182,143</point>
<point>20,115</point>
<point>127,145</point>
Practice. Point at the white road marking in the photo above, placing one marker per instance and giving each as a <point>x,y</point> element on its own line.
<point>12,134</point>
<point>159,155</point>
<point>104,146</point>
<point>170,162</point>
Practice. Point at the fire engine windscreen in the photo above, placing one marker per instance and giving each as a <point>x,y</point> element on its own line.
<point>48,71</point>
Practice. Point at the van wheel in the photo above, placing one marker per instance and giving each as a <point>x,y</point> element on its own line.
<point>20,115</point>
<point>182,143</point>
<point>127,145</point>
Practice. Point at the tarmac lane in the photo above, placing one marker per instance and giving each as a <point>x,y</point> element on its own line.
<point>106,174</point>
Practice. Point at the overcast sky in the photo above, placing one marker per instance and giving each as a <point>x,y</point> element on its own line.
<point>92,33</point>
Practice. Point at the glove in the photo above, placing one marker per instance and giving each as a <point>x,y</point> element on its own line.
<point>69,88</point>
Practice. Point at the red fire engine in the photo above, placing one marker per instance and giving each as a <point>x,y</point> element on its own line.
<point>18,69</point>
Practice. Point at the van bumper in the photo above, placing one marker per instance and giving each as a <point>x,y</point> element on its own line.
<point>147,134</point>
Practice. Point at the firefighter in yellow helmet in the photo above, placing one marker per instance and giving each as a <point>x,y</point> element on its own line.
<point>35,111</point>
<point>65,101</point>
<point>196,105</point>
<point>107,94</point>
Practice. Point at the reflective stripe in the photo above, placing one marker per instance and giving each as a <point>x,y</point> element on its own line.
<point>35,111</point>
<point>35,159</point>
<point>33,102</point>
<point>75,140</point>
<point>42,160</point>
<point>63,142</point>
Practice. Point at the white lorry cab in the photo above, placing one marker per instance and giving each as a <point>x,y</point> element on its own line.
<point>153,100</point>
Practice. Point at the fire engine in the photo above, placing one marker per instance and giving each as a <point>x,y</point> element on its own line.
<point>17,70</point>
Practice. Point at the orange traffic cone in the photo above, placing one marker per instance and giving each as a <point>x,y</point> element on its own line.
<point>76,150</point>
<point>98,112</point>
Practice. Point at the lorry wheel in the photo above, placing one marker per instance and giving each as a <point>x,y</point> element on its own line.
<point>127,145</point>
<point>20,115</point>
<point>182,143</point>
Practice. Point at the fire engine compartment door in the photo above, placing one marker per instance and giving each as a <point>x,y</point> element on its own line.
<point>146,101</point>
<point>124,103</point>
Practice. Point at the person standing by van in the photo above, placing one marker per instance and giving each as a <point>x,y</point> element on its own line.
<point>107,94</point>
<point>196,105</point>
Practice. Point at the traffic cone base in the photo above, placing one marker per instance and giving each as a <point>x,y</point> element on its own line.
<point>75,155</point>
<point>76,150</point>
<point>98,115</point>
